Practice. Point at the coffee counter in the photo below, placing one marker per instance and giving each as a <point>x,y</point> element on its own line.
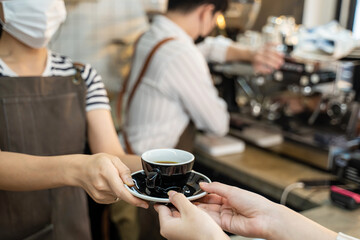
<point>269,174</point>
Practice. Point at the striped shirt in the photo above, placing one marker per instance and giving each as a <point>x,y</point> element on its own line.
<point>176,88</point>
<point>57,65</point>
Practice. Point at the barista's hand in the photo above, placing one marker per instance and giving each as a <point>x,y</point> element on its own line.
<point>238,211</point>
<point>103,176</point>
<point>267,59</point>
<point>188,222</point>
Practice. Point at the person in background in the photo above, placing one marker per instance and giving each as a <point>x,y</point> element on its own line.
<point>236,211</point>
<point>170,91</point>
<point>50,108</point>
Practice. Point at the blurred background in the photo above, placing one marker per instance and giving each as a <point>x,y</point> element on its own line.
<point>305,113</point>
<point>109,25</point>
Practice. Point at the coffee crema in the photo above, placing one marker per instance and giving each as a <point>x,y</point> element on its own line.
<point>166,162</point>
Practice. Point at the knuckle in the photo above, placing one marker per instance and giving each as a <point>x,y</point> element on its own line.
<point>124,171</point>
<point>102,157</point>
<point>100,186</point>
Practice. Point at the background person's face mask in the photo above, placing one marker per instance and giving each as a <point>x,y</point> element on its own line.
<point>33,22</point>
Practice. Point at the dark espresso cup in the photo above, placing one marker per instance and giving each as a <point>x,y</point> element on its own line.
<point>166,169</point>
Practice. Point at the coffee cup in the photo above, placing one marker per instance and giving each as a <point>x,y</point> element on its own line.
<point>166,169</point>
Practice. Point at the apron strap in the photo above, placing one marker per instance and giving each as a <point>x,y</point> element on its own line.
<point>136,85</point>
<point>119,104</point>
<point>79,67</point>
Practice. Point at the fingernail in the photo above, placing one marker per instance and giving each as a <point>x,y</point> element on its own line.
<point>129,181</point>
<point>203,184</point>
<point>171,193</point>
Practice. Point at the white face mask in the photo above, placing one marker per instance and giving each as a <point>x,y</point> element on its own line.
<point>33,22</point>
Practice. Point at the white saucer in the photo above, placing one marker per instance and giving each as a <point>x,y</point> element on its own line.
<point>138,190</point>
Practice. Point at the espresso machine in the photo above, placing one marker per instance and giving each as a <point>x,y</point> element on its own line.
<point>302,110</point>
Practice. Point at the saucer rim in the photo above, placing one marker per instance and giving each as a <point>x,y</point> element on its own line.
<point>165,200</point>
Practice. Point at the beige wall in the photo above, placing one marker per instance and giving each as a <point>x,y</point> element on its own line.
<point>318,12</point>
<point>91,28</point>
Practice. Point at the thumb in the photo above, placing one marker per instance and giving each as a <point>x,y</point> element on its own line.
<point>124,171</point>
<point>217,188</point>
<point>233,195</point>
<point>180,202</point>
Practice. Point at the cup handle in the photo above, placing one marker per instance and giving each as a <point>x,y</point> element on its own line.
<point>152,178</point>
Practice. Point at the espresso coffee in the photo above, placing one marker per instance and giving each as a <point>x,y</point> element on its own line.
<point>166,162</point>
<point>166,169</point>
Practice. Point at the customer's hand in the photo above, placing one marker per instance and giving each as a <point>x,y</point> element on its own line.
<point>187,222</point>
<point>103,176</point>
<point>238,211</point>
<point>251,215</point>
<point>267,59</point>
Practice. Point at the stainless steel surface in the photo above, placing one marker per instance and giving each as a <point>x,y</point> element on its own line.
<point>311,116</point>
<point>298,147</point>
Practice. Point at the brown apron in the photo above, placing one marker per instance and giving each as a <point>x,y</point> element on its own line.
<point>43,116</point>
<point>186,140</point>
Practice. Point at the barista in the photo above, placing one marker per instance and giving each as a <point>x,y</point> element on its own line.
<point>50,107</point>
<point>170,85</point>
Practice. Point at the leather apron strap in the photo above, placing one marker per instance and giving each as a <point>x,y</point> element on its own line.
<point>43,116</point>
<point>136,85</point>
<point>119,105</point>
